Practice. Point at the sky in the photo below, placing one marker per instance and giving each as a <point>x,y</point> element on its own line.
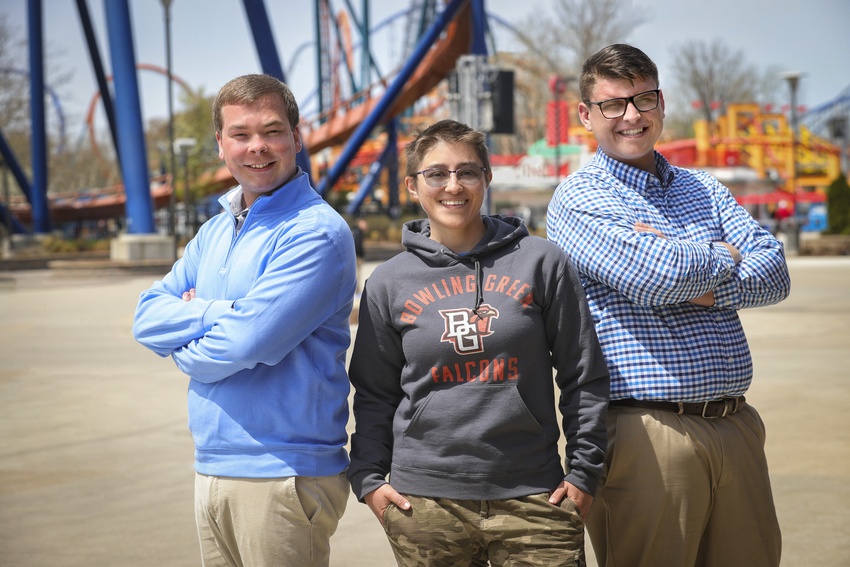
<point>211,41</point>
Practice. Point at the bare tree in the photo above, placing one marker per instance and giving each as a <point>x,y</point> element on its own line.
<point>70,168</point>
<point>563,37</point>
<point>14,108</point>
<point>580,28</point>
<point>712,75</point>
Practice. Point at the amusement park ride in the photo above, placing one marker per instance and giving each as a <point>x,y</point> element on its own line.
<point>361,131</point>
<point>446,31</point>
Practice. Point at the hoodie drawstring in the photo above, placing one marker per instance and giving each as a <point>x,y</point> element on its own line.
<point>479,276</point>
<point>479,293</point>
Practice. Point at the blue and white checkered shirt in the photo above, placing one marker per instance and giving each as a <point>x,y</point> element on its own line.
<point>657,345</point>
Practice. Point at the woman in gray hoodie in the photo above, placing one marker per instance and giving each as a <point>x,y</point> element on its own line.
<point>452,367</point>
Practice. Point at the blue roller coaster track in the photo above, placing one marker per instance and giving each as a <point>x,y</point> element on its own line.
<point>430,17</point>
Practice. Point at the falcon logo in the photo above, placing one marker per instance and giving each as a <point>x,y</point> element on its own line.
<point>466,330</point>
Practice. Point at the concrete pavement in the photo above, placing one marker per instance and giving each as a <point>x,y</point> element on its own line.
<point>96,460</point>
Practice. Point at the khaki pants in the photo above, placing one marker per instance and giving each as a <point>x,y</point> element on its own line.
<point>526,531</point>
<point>257,522</point>
<point>684,491</point>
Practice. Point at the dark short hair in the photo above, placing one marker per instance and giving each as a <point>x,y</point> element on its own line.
<point>450,132</point>
<point>618,61</point>
<point>248,89</point>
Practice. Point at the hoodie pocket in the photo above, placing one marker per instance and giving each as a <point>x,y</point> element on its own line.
<point>475,428</point>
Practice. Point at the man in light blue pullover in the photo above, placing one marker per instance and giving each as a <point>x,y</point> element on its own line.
<point>256,313</point>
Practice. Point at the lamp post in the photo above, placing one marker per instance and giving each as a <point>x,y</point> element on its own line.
<point>172,199</point>
<point>182,146</point>
<point>7,201</point>
<point>793,80</point>
<point>558,87</point>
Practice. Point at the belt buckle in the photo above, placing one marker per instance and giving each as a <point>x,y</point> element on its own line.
<point>727,402</point>
<point>737,400</point>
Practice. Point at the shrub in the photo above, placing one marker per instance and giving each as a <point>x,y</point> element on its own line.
<point>838,206</point>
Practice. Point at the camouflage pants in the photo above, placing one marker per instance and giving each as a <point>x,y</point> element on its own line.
<point>524,531</point>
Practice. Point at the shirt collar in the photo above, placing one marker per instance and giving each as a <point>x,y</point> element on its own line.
<point>235,197</point>
<point>634,177</point>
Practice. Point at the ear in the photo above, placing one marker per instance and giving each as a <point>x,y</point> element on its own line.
<point>661,103</point>
<point>584,116</point>
<point>296,134</point>
<point>218,141</point>
<point>410,183</point>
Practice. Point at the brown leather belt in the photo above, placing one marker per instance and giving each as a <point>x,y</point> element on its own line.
<point>708,410</point>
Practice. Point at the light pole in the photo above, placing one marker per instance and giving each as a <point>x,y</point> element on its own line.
<point>838,130</point>
<point>793,79</point>
<point>172,199</point>
<point>182,146</point>
<point>7,201</point>
<point>558,87</point>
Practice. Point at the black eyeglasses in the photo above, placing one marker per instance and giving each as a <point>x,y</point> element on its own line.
<point>616,107</point>
<point>438,177</point>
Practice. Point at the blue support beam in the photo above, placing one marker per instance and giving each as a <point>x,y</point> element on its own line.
<point>349,65</point>
<point>392,169</point>
<point>366,51</point>
<point>99,73</point>
<point>131,134</point>
<point>258,20</point>
<point>381,110</point>
<point>367,184</point>
<point>15,225</point>
<point>15,168</point>
<point>38,195</point>
<point>479,28</point>
<point>322,58</point>
<point>387,160</point>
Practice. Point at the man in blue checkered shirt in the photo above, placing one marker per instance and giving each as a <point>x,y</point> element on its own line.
<point>667,257</point>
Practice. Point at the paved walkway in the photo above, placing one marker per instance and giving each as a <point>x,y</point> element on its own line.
<point>96,460</point>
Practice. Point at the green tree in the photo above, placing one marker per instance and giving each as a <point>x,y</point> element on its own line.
<point>838,206</point>
<point>193,120</point>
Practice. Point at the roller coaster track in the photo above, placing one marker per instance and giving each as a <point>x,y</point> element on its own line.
<point>335,126</point>
<point>818,119</point>
<point>329,129</point>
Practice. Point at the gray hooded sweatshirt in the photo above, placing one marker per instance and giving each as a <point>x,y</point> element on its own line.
<point>453,366</point>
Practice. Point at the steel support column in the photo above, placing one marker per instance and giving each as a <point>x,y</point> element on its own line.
<point>258,19</point>
<point>38,141</point>
<point>379,113</point>
<point>131,134</point>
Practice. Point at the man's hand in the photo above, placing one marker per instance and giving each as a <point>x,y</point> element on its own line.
<point>736,255</point>
<point>380,499</point>
<point>643,227</point>
<point>707,299</point>
<point>189,295</point>
<point>582,499</point>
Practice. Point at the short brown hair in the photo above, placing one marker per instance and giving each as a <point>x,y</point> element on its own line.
<point>248,89</point>
<point>450,132</point>
<point>618,61</point>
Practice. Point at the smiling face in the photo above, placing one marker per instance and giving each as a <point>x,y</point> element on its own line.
<point>630,138</point>
<point>258,145</point>
<point>454,211</point>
